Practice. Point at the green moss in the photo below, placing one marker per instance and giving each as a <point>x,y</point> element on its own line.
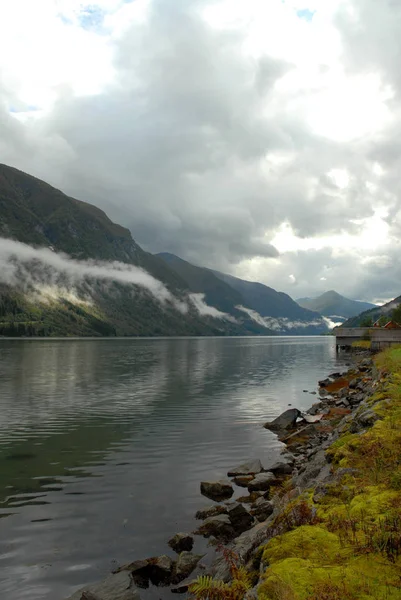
<point>361,578</point>
<point>307,542</point>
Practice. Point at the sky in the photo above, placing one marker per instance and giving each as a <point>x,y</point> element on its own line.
<point>261,138</point>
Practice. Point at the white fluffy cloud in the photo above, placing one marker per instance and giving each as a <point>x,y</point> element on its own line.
<point>256,137</point>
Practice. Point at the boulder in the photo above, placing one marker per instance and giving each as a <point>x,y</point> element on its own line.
<point>181,542</point>
<point>217,490</point>
<point>185,565</point>
<point>261,482</point>
<point>220,527</point>
<point>251,467</point>
<point>243,480</point>
<point>262,509</point>
<point>240,518</point>
<point>366,419</point>
<point>211,511</point>
<point>115,587</point>
<point>314,408</point>
<point>325,382</point>
<point>287,420</point>
<point>157,570</point>
<point>281,468</point>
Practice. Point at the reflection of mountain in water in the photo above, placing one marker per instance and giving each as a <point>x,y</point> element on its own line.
<point>64,403</point>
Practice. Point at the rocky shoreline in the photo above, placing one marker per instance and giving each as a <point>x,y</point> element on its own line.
<point>244,526</point>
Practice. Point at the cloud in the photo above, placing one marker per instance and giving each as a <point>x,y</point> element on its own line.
<point>21,264</point>
<point>207,127</point>
<point>282,325</point>
<point>198,300</point>
<point>53,275</point>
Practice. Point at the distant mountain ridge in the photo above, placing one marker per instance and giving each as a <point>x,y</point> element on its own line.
<point>332,304</point>
<point>264,305</point>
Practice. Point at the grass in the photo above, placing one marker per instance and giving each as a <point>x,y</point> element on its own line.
<point>365,344</point>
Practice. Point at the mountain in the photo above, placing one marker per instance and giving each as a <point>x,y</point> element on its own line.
<point>67,269</point>
<point>374,314</point>
<point>265,306</point>
<point>333,305</point>
<point>267,301</point>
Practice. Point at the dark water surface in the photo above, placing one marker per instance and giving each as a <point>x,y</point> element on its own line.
<point>103,443</point>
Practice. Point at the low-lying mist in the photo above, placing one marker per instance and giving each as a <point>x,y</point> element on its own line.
<point>50,275</point>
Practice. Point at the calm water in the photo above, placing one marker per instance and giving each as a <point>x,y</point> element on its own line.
<point>103,443</point>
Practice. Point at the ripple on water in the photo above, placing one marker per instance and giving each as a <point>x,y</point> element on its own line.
<point>103,444</point>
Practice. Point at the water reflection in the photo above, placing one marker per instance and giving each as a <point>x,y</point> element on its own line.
<point>103,442</point>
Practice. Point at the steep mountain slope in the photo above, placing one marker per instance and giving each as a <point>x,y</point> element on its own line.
<point>34,212</point>
<point>85,291</point>
<point>263,305</point>
<point>374,313</point>
<point>200,280</point>
<point>332,304</point>
<point>267,301</point>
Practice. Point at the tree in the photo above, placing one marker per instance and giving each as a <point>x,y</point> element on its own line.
<point>396,314</point>
<point>366,321</point>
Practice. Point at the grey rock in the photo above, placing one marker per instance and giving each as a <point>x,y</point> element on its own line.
<point>368,418</point>
<point>262,509</point>
<point>243,480</point>
<point>181,542</point>
<point>365,419</point>
<point>251,467</point>
<point>353,383</point>
<point>220,527</point>
<point>157,569</point>
<point>314,409</point>
<point>287,420</point>
<point>281,468</point>
<point>240,518</point>
<point>317,470</point>
<point>217,490</point>
<point>211,511</point>
<point>161,569</point>
<point>185,565</point>
<point>115,587</point>
<point>261,482</point>
<point>325,382</point>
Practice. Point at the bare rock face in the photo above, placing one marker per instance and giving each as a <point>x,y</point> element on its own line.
<point>181,542</point>
<point>251,467</point>
<point>261,482</point>
<point>217,490</point>
<point>287,420</point>
<point>114,587</point>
